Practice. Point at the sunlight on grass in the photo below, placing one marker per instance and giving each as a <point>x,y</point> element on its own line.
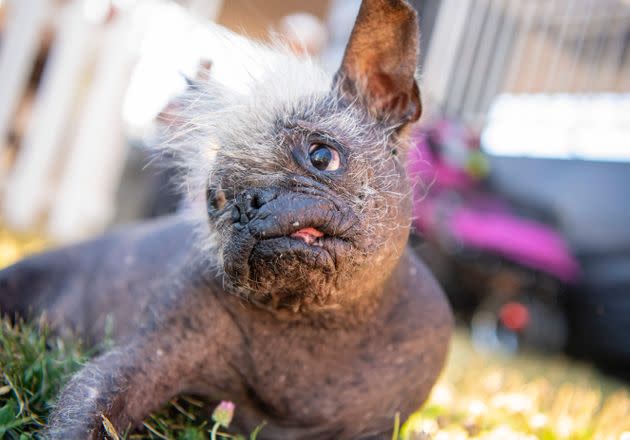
<point>524,397</point>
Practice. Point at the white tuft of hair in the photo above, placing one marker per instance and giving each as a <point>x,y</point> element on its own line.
<point>249,85</point>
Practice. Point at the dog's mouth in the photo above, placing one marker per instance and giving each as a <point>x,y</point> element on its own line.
<point>316,246</point>
<point>280,237</point>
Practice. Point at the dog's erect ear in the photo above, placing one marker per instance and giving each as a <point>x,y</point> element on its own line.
<point>380,62</point>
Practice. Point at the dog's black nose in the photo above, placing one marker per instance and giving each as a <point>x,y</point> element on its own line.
<point>249,202</point>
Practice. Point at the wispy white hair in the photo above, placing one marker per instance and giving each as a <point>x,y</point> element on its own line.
<point>249,86</point>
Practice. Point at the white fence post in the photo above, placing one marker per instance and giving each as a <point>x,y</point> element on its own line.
<point>30,182</point>
<point>86,195</point>
<point>21,40</point>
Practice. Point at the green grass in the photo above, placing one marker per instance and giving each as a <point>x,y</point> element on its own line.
<point>35,365</point>
<point>479,396</point>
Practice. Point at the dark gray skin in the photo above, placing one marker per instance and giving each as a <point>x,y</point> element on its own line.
<point>322,338</point>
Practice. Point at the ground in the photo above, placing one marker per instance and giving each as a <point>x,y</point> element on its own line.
<point>479,395</point>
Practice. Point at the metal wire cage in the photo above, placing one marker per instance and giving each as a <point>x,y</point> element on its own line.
<point>478,49</point>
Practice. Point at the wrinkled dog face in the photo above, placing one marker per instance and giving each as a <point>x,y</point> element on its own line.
<point>322,206</point>
<point>308,196</point>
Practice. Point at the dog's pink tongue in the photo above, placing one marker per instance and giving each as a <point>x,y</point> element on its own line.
<point>308,235</point>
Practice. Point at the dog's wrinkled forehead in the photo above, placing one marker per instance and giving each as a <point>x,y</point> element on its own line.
<point>241,123</point>
<point>361,108</point>
<point>262,139</point>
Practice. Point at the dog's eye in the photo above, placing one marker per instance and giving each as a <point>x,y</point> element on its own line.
<point>324,158</point>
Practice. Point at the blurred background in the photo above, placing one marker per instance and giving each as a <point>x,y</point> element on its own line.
<point>521,163</point>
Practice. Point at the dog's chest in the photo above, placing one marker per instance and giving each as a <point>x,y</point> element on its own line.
<point>318,377</point>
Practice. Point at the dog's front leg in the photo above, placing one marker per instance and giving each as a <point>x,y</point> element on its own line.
<point>125,384</point>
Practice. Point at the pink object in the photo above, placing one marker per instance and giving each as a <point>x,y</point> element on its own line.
<point>425,166</point>
<point>224,413</point>
<point>449,204</point>
<point>527,242</point>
